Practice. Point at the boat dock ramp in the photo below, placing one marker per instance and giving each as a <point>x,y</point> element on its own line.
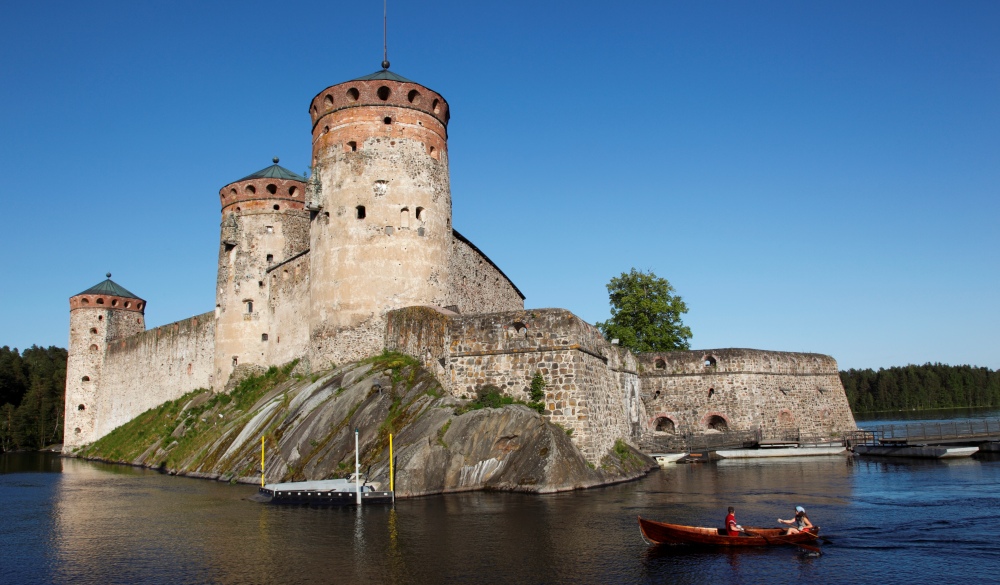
<point>933,440</point>
<point>942,440</point>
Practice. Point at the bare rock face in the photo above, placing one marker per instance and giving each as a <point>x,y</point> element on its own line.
<point>439,444</point>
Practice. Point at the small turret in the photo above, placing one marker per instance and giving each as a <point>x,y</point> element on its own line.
<point>98,315</point>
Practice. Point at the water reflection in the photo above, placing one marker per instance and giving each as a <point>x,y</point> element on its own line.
<point>74,521</point>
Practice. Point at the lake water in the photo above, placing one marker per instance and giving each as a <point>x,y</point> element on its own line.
<point>888,521</point>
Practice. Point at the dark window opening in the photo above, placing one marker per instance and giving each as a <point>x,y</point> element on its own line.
<point>270,258</point>
<point>717,423</point>
<point>272,188</point>
<point>709,362</point>
<point>711,392</point>
<point>361,211</point>
<point>85,379</point>
<point>81,407</point>
<point>249,307</point>
<point>660,364</point>
<point>664,425</point>
<point>353,94</point>
<point>419,213</point>
<point>383,93</point>
<point>263,336</point>
<point>353,146</point>
<point>277,207</point>
<point>387,120</point>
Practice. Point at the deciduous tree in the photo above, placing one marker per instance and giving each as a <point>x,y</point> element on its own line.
<point>645,313</point>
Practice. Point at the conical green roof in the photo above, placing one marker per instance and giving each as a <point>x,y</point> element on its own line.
<point>109,287</point>
<point>384,74</point>
<point>275,172</point>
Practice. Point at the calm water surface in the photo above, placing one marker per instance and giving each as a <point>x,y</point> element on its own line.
<point>888,521</point>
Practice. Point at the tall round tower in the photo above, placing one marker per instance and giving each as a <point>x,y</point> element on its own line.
<point>97,316</point>
<point>264,223</point>
<point>381,209</point>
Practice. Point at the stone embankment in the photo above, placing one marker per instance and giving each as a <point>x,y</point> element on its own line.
<point>440,443</point>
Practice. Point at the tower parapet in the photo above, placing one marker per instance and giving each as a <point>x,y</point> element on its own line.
<point>380,198</point>
<point>99,315</point>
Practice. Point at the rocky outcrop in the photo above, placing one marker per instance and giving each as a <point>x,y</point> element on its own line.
<point>440,443</point>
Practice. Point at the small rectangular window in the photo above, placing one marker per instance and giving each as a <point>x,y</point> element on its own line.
<point>270,229</point>
<point>270,258</point>
<point>263,336</point>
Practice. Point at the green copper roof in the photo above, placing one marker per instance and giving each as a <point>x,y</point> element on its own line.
<point>384,74</point>
<point>275,172</point>
<point>109,287</point>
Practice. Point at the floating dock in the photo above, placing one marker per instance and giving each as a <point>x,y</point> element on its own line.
<point>920,452</point>
<point>327,492</point>
<point>780,452</point>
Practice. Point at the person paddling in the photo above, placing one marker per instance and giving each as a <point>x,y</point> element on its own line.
<point>800,523</point>
<point>732,528</point>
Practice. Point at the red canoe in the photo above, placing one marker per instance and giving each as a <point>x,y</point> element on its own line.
<point>663,533</point>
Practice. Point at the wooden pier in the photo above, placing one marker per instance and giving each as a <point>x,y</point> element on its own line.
<point>938,440</point>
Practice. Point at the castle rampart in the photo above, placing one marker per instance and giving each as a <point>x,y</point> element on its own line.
<point>743,389</point>
<point>155,366</point>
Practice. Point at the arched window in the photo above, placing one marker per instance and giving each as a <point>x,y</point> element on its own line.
<point>85,379</point>
<point>81,407</point>
<point>659,364</point>
<point>353,94</point>
<point>420,215</point>
<point>93,330</point>
<point>93,347</point>
<point>404,217</point>
<point>709,361</point>
<point>413,96</point>
<point>249,306</point>
<point>383,93</point>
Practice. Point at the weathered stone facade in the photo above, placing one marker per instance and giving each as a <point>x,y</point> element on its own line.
<point>591,387</point>
<point>362,256</point>
<point>743,389</point>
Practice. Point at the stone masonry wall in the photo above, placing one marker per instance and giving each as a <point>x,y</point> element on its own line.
<point>584,374</point>
<point>743,389</point>
<point>477,284</point>
<point>288,304</point>
<point>152,367</point>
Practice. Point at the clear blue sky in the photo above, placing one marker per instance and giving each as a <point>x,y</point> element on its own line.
<point>810,176</point>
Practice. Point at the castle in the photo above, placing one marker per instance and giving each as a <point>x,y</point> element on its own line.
<point>361,256</point>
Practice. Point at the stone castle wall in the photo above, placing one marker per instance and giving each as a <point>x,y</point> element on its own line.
<point>288,308</point>
<point>743,389</point>
<point>152,367</point>
<point>584,374</point>
<point>477,284</point>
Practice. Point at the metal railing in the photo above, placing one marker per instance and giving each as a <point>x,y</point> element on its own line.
<point>697,442</point>
<point>981,430</point>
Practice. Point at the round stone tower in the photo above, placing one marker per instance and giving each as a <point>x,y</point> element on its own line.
<point>97,316</point>
<point>381,209</point>
<point>264,223</point>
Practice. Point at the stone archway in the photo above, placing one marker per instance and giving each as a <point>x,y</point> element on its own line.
<point>664,424</point>
<point>716,422</point>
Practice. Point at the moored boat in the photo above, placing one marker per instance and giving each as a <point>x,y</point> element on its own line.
<point>662,533</point>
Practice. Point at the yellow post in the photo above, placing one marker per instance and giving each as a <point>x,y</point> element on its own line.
<point>262,461</point>
<point>392,487</point>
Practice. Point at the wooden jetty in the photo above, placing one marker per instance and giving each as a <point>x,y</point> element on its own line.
<point>933,440</point>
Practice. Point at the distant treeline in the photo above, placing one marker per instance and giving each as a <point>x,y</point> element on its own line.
<point>921,387</point>
<point>32,387</point>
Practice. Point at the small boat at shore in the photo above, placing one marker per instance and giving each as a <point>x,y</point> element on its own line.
<point>662,533</point>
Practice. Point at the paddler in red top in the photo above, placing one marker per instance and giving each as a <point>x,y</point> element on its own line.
<point>732,528</point>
